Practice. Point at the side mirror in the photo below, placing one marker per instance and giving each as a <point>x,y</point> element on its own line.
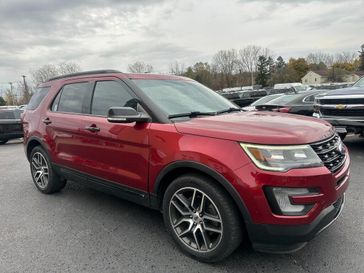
<point>126,115</point>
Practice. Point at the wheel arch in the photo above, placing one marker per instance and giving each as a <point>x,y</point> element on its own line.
<point>32,143</point>
<point>178,168</point>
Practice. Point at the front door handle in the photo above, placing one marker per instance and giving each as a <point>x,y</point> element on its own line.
<point>92,128</point>
<point>46,121</point>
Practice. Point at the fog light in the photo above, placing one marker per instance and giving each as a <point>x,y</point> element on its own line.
<point>280,200</point>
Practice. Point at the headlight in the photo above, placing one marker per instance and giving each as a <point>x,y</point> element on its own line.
<point>282,158</point>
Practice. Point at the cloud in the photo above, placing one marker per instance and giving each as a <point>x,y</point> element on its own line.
<point>113,33</point>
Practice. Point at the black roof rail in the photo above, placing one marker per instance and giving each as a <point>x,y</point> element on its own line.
<point>105,71</point>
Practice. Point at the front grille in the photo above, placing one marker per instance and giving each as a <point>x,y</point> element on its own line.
<point>331,152</point>
<point>341,101</point>
<point>342,112</point>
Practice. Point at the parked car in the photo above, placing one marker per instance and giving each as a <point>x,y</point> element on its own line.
<point>261,101</point>
<point>343,108</point>
<point>300,104</point>
<point>10,124</point>
<point>243,96</point>
<point>220,176</point>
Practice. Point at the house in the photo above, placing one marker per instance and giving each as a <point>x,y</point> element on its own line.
<point>315,77</point>
<point>322,76</point>
<point>353,76</point>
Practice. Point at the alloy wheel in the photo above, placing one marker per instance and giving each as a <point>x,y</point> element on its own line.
<point>195,219</point>
<point>40,170</point>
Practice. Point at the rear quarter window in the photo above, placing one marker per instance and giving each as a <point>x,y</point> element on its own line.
<point>37,97</point>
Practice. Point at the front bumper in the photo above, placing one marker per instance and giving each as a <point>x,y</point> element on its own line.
<point>290,238</point>
<point>270,232</point>
<point>351,124</point>
<point>13,135</point>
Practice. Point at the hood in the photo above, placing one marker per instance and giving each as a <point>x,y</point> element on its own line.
<point>259,128</point>
<point>346,91</point>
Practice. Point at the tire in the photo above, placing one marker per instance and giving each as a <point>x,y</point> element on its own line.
<point>44,177</point>
<point>218,220</point>
<point>342,135</point>
<point>3,141</point>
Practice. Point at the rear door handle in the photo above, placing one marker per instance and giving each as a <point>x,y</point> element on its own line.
<point>46,121</point>
<point>92,128</point>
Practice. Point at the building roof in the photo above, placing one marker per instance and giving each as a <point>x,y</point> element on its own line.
<point>359,73</point>
<point>322,73</point>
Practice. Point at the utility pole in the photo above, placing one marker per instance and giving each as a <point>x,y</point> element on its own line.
<point>25,84</point>
<point>26,94</point>
<point>11,86</point>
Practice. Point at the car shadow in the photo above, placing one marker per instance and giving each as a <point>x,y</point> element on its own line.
<point>355,144</point>
<point>13,142</point>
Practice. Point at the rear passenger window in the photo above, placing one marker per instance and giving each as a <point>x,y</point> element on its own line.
<point>37,97</point>
<point>74,98</point>
<point>110,94</point>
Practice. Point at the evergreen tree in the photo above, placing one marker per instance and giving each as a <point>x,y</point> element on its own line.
<point>280,64</point>
<point>263,70</point>
<point>2,101</point>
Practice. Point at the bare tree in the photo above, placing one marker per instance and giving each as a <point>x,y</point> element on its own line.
<point>10,97</point>
<point>320,57</point>
<point>177,68</point>
<point>68,68</point>
<point>346,57</point>
<point>24,90</point>
<point>47,71</point>
<point>225,63</point>
<point>248,58</point>
<point>140,67</point>
<point>43,73</point>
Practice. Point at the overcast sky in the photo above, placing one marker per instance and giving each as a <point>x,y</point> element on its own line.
<point>114,33</point>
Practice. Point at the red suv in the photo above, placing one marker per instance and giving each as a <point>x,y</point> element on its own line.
<point>220,176</point>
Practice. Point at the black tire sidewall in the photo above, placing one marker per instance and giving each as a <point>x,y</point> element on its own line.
<point>230,239</point>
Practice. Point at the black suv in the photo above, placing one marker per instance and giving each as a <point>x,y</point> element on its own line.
<point>343,108</point>
<point>10,124</point>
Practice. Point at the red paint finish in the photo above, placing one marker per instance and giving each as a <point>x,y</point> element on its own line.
<point>135,154</point>
<point>259,127</point>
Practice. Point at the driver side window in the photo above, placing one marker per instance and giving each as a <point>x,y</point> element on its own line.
<point>110,94</point>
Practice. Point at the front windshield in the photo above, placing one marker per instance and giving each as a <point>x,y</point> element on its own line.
<point>359,83</point>
<point>179,96</point>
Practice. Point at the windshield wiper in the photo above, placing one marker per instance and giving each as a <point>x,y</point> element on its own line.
<point>229,110</point>
<point>192,114</point>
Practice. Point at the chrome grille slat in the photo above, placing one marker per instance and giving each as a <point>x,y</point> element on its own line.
<point>326,151</point>
<point>329,153</point>
<point>331,159</point>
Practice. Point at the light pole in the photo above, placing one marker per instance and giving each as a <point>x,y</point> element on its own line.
<point>25,84</point>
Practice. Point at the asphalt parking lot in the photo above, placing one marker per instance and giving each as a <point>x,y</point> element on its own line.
<point>82,230</point>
